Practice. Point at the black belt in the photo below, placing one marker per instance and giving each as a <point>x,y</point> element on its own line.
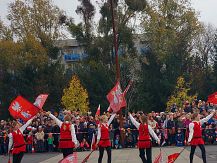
<point>144,140</point>
<point>19,146</point>
<point>65,139</point>
<point>197,137</point>
<point>104,139</point>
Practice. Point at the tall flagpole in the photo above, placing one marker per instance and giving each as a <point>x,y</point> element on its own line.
<point>117,64</point>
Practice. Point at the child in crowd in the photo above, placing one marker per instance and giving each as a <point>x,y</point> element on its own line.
<point>84,145</point>
<point>180,138</point>
<point>117,142</point>
<point>29,141</point>
<point>129,138</point>
<point>50,140</point>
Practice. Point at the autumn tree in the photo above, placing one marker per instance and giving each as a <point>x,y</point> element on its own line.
<point>75,97</point>
<point>180,94</point>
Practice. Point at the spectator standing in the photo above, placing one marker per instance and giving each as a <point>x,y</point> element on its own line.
<point>40,139</point>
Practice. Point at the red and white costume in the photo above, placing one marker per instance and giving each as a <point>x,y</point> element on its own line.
<point>68,137</point>
<point>195,135</point>
<point>16,139</point>
<point>145,130</point>
<point>103,133</point>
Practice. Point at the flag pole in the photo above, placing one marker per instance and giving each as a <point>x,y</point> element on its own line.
<point>115,37</point>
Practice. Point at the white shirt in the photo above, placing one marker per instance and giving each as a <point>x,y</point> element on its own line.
<point>191,126</point>
<point>105,124</point>
<point>59,123</point>
<point>10,136</point>
<point>150,130</point>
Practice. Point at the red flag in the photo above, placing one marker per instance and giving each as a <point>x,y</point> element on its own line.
<point>86,158</point>
<point>72,158</point>
<point>93,143</point>
<point>109,109</point>
<point>21,108</point>
<point>159,158</point>
<point>116,98</point>
<point>172,158</point>
<point>40,100</point>
<point>128,87</point>
<point>98,110</point>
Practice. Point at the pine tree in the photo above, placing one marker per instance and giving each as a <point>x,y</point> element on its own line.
<point>180,93</point>
<point>75,97</point>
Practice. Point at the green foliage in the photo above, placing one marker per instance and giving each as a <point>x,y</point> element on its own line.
<point>75,97</point>
<point>180,94</point>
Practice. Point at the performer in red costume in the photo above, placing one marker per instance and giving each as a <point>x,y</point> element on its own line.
<point>195,135</point>
<point>68,140</point>
<point>16,140</point>
<point>103,139</point>
<point>144,140</point>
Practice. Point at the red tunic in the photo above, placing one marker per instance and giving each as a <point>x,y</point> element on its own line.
<point>144,137</point>
<point>66,137</point>
<point>104,140</point>
<point>19,143</point>
<point>197,136</point>
<point>29,139</point>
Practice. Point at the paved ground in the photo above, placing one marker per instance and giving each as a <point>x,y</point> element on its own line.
<point>121,156</point>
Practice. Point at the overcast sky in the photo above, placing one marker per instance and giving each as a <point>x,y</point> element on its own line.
<point>207,9</point>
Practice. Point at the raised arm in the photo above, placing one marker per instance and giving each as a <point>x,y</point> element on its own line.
<point>98,134</point>
<point>191,132</point>
<point>152,133</point>
<point>10,142</point>
<point>58,122</point>
<point>111,119</point>
<point>74,138</point>
<point>135,123</point>
<point>22,128</point>
<point>202,121</point>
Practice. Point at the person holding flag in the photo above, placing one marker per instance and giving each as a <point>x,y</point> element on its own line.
<point>195,136</point>
<point>68,140</point>
<point>144,141</point>
<point>16,140</point>
<point>103,141</point>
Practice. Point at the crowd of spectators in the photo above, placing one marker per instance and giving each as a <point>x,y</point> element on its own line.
<point>171,127</point>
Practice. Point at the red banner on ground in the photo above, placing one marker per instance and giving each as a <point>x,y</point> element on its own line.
<point>172,158</point>
<point>73,158</point>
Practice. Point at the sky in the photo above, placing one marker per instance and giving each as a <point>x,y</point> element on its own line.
<point>207,9</point>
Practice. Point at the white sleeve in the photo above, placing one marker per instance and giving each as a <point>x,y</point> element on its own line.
<point>22,128</point>
<point>152,133</point>
<point>98,134</point>
<point>111,119</point>
<point>191,132</point>
<point>74,138</point>
<point>10,142</point>
<point>135,123</point>
<point>58,122</point>
<point>202,121</point>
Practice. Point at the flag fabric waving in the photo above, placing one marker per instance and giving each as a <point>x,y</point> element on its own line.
<point>212,98</point>
<point>172,158</point>
<point>116,98</point>
<point>40,100</point>
<point>159,158</point>
<point>72,158</point>
<point>98,110</point>
<point>127,88</point>
<point>23,109</point>
<point>93,143</point>
<point>109,109</point>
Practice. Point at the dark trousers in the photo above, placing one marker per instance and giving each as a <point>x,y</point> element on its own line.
<point>67,151</point>
<point>101,152</point>
<point>203,151</point>
<point>147,152</point>
<point>18,157</point>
